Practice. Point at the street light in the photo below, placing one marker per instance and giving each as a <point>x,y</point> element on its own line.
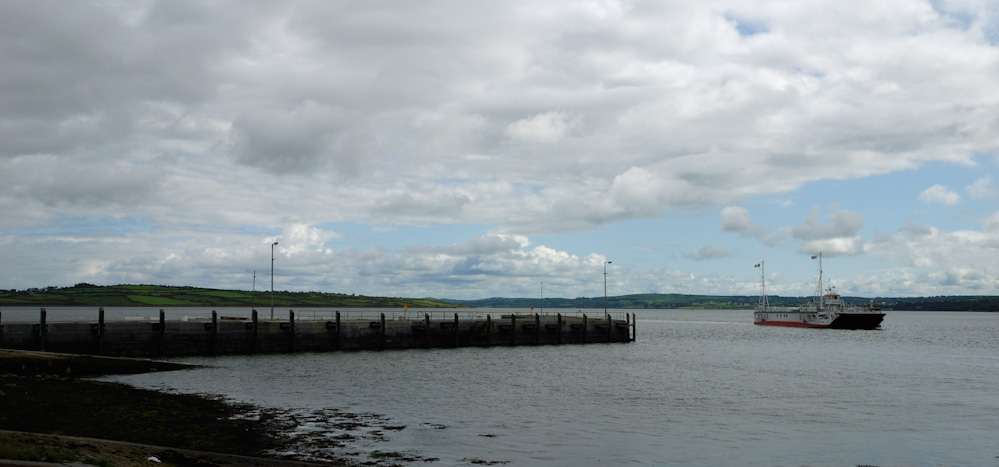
<point>605,285</point>
<point>272,279</point>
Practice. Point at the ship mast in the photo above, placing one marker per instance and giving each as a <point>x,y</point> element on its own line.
<point>763,305</point>
<point>818,288</point>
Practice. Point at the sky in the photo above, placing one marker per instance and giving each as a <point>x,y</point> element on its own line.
<point>468,150</point>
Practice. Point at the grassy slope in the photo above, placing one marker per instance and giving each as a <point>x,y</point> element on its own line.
<point>158,295</point>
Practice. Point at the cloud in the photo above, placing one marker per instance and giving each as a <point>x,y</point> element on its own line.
<point>300,238</point>
<point>834,246</point>
<point>736,219</point>
<point>842,237</point>
<point>63,93</point>
<point>991,224</point>
<point>939,194</point>
<point>942,262</point>
<point>309,137</point>
<point>49,181</point>
<point>544,128</point>
<point>983,188</point>
<point>844,224</point>
<point>708,252</point>
<point>482,245</point>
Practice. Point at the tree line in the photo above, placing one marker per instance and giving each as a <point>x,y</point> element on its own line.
<point>85,294</point>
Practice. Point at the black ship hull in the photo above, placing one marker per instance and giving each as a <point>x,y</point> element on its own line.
<point>857,321</point>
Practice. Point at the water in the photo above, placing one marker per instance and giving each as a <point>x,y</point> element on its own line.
<point>697,388</point>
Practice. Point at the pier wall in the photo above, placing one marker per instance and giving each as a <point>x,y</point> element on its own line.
<point>226,335</point>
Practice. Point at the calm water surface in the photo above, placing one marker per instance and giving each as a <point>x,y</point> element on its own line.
<point>697,388</point>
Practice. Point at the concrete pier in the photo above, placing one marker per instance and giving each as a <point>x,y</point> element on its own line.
<point>221,335</point>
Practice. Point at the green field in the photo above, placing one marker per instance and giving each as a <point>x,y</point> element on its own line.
<point>169,296</point>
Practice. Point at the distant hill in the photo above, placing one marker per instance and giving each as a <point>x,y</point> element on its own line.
<point>171,296</point>
<point>671,301</point>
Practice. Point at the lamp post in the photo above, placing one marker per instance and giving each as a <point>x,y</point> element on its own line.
<point>605,285</point>
<point>542,297</point>
<point>272,279</point>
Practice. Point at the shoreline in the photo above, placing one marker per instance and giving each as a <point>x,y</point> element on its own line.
<point>50,412</point>
<point>50,449</point>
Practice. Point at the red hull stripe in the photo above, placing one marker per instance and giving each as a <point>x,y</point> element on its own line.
<point>790,324</point>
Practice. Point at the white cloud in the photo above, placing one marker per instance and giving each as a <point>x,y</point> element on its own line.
<point>940,262</point>
<point>939,194</point>
<point>545,128</point>
<point>983,188</point>
<point>299,238</point>
<point>834,246</point>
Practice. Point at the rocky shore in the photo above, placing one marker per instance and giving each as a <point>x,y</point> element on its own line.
<point>50,413</point>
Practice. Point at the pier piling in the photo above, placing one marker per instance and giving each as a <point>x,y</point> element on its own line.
<point>42,331</point>
<point>336,345</point>
<point>489,328</point>
<point>253,340</point>
<point>381,333</point>
<point>291,330</point>
<point>100,330</point>
<point>161,332</point>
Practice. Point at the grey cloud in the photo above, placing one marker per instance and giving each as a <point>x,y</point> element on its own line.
<point>309,137</point>
<point>477,246</point>
<point>844,224</point>
<point>92,184</point>
<point>76,76</point>
<point>426,204</point>
<point>57,92</point>
<point>736,220</point>
<point>708,252</point>
<point>991,224</point>
<point>840,238</point>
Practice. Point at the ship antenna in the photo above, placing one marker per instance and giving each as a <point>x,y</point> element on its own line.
<point>821,296</point>
<point>763,304</point>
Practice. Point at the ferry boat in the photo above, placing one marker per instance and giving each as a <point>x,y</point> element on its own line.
<point>826,310</point>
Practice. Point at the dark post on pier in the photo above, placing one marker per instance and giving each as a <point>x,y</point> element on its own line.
<point>326,331</point>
